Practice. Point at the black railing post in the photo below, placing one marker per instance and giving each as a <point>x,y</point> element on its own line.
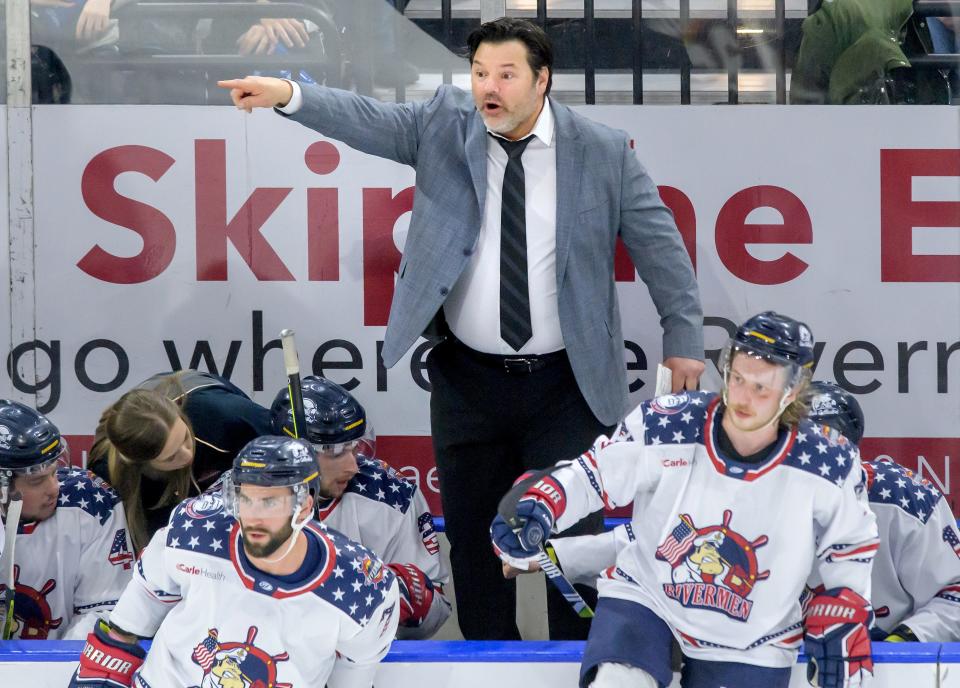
<point>446,17</point>
<point>733,59</point>
<point>780,12</point>
<point>637,17</point>
<point>685,65</point>
<point>589,72</point>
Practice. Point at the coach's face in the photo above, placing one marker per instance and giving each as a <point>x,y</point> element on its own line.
<point>506,91</point>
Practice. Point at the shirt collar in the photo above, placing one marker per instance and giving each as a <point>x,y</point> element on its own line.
<point>543,128</point>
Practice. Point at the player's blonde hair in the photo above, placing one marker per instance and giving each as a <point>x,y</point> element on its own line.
<point>799,408</point>
<point>132,432</point>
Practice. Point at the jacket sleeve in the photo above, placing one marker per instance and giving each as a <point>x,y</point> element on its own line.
<point>846,528</point>
<point>415,542</point>
<point>584,557</point>
<point>150,595</point>
<point>104,570</point>
<point>650,234</point>
<point>929,570</point>
<point>361,647</point>
<point>609,474</point>
<point>387,130</point>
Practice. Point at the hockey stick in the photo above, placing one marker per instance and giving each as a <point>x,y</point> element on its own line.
<point>10,526</point>
<point>292,364</point>
<point>508,512</point>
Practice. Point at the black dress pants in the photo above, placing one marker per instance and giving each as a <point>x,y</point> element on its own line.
<point>489,424</point>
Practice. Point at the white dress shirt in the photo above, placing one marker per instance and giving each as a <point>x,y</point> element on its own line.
<point>473,307</point>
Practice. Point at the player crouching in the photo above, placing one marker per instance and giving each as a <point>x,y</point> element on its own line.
<point>226,587</point>
<point>363,498</point>
<point>734,497</point>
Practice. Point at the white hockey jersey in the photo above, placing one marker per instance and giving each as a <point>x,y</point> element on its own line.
<point>217,621</point>
<point>584,558</point>
<point>71,567</point>
<point>389,515</point>
<point>916,573</point>
<point>724,548</point>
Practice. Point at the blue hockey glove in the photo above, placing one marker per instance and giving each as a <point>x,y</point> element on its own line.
<point>837,639</point>
<point>537,509</point>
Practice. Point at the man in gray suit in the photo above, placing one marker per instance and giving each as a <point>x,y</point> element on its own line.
<point>509,257</point>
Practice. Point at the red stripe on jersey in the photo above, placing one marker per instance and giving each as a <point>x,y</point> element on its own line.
<point>720,465</point>
<point>330,560</point>
<point>859,550</point>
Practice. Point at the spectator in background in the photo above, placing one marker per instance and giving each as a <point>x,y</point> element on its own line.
<point>72,554</point>
<point>170,438</point>
<point>857,52</point>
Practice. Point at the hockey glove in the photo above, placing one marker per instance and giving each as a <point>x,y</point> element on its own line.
<point>107,662</point>
<point>837,640</point>
<point>536,511</point>
<point>416,594</point>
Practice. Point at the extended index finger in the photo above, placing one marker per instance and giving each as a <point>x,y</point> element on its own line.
<point>233,83</point>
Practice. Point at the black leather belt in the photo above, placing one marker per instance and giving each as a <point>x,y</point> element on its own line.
<point>516,363</point>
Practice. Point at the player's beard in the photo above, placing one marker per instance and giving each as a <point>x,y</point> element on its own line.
<point>276,540</point>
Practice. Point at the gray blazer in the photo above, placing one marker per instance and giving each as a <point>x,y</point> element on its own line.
<point>602,192</point>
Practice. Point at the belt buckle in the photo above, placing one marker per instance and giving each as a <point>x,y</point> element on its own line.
<point>518,365</point>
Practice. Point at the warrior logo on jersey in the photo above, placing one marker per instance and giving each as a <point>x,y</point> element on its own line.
<point>236,665</point>
<point>712,568</point>
<point>950,537</point>
<point>32,617</point>
<point>207,504</point>
<point>670,403</point>
<point>427,533</point>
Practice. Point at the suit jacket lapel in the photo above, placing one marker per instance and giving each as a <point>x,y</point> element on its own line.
<point>476,152</point>
<point>569,167</point>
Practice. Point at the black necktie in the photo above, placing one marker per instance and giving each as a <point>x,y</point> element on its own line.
<point>515,327</point>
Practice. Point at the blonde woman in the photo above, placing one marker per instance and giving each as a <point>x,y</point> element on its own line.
<point>170,438</point>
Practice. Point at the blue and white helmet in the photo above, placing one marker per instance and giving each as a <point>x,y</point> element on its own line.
<point>29,443</point>
<point>774,338</point>
<point>832,405</point>
<point>272,461</point>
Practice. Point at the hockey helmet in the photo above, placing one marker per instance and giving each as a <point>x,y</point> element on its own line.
<point>831,404</point>
<point>29,442</point>
<point>774,338</point>
<point>272,461</point>
<point>334,418</point>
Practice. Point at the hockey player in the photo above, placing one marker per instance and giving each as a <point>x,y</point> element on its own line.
<point>735,497</point>
<point>366,500</point>
<point>916,573</point>
<point>225,587</point>
<point>71,557</point>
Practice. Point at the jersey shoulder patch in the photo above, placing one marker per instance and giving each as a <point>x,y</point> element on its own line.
<point>378,482</point>
<point>816,454</point>
<point>890,484</point>
<point>359,581</point>
<point>81,489</point>
<point>201,525</point>
<point>675,418</point>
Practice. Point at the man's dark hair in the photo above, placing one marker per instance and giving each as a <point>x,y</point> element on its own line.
<point>539,48</point>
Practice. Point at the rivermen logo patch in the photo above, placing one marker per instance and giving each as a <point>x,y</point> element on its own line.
<point>712,568</point>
